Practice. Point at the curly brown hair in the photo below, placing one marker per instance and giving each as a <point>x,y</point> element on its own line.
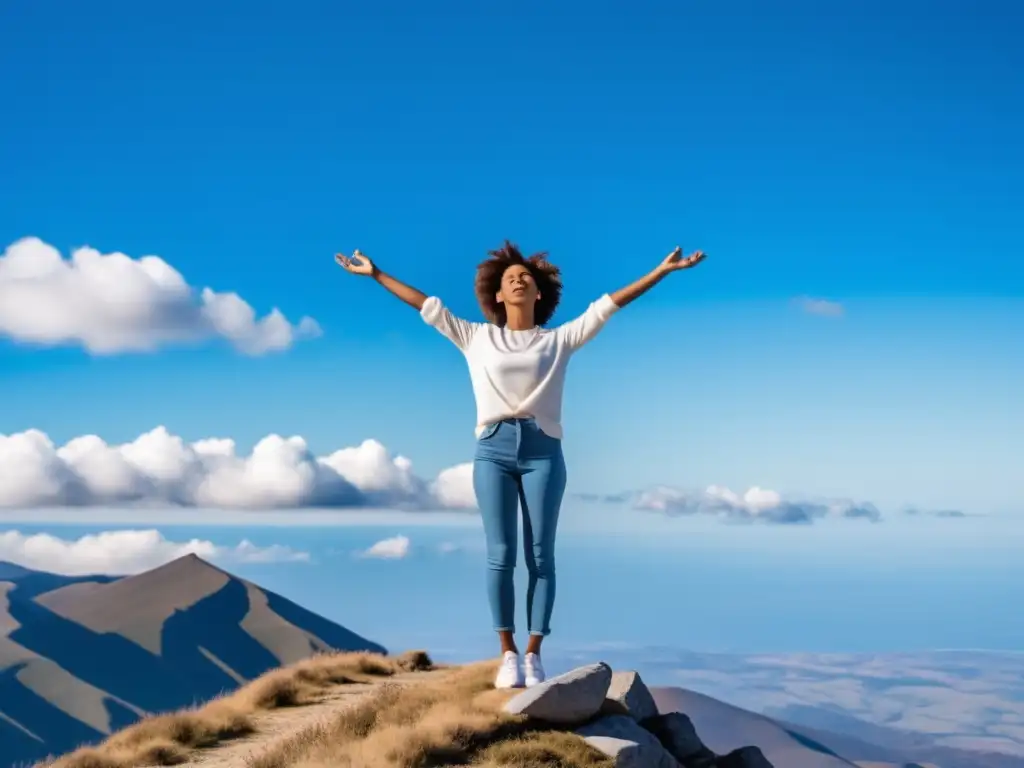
<point>488,282</point>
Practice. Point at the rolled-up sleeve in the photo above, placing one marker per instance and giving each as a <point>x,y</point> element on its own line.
<point>460,332</point>
<point>578,332</point>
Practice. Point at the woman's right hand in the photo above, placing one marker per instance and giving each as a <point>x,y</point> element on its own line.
<point>357,263</point>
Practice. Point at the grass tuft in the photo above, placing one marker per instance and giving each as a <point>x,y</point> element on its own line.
<point>543,749</point>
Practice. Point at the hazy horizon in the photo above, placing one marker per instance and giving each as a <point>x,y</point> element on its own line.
<point>755,587</point>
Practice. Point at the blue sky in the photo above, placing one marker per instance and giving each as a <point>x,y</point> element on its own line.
<point>867,159</point>
<point>862,156</point>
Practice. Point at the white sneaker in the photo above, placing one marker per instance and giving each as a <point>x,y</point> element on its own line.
<point>534,670</point>
<point>510,674</point>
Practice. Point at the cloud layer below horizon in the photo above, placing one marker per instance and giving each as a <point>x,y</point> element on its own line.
<point>755,505</point>
<point>112,303</point>
<point>162,470</point>
<point>119,553</point>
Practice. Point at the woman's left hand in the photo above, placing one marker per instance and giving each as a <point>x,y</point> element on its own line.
<point>676,261</point>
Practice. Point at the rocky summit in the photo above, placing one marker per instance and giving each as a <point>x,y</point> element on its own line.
<point>615,713</point>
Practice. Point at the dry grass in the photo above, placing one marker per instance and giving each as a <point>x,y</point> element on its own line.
<point>304,682</point>
<point>453,720</point>
<point>172,738</point>
<point>550,749</point>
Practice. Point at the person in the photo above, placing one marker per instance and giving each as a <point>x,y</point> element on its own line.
<point>517,368</point>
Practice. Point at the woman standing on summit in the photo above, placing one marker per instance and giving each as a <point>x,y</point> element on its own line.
<point>517,368</point>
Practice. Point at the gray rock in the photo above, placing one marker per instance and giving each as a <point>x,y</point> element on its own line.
<point>627,695</point>
<point>676,733</point>
<point>571,698</point>
<point>744,757</point>
<point>623,739</point>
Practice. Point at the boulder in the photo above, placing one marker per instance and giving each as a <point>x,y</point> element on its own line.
<point>627,742</point>
<point>744,757</point>
<point>676,733</point>
<point>627,695</point>
<point>573,697</point>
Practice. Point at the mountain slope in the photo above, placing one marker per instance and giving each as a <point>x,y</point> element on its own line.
<point>29,583</point>
<point>865,740</point>
<point>723,728</point>
<point>91,655</point>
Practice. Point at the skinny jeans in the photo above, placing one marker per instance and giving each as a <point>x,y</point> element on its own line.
<point>518,465</point>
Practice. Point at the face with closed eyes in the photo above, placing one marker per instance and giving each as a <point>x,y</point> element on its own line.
<point>518,287</point>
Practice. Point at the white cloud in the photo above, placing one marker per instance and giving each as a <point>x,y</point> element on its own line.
<point>822,307</point>
<point>247,552</point>
<point>453,487</point>
<point>110,303</point>
<point>944,513</point>
<point>756,504</point>
<point>126,552</point>
<point>161,469</point>
<point>395,548</point>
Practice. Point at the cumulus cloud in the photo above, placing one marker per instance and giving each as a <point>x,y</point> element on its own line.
<point>395,548</point>
<point>755,505</point>
<point>822,307</point>
<point>453,487</point>
<point>126,552</point>
<point>161,469</point>
<point>111,303</point>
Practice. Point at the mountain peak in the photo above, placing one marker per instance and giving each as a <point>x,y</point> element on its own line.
<point>189,563</point>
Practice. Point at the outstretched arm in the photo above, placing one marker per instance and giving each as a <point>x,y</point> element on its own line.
<point>672,262</point>
<point>406,293</point>
<point>358,264</point>
<point>578,332</point>
<point>433,312</point>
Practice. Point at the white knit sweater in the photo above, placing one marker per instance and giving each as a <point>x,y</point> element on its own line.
<point>517,374</point>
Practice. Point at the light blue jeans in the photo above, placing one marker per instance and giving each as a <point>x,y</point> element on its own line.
<point>516,463</point>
